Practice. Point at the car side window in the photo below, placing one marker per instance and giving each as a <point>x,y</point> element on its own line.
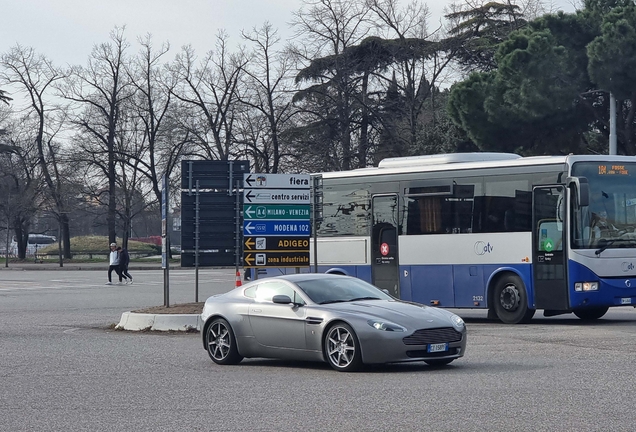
<point>250,292</point>
<point>267,290</point>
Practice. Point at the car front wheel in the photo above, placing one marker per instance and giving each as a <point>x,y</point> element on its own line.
<point>221,343</point>
<point>342,348</point>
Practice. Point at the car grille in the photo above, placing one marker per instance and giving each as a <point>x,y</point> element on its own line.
<point>431,336</point>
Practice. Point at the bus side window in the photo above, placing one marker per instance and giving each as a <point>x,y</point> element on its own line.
<point>430,215</point>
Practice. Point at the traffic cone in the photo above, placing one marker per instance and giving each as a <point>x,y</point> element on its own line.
<point>238,279</point>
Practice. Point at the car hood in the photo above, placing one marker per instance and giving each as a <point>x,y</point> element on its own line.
<point>405,314</point>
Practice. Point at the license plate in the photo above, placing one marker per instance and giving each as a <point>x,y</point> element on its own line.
<point>437,347</point>
<point>626,300</point>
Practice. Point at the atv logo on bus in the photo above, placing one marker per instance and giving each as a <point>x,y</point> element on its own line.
<point>482,248</point>
<point>627,266</point>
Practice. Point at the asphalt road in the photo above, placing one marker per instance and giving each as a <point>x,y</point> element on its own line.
<point>62,368</point>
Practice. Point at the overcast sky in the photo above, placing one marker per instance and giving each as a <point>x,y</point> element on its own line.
<point>66,30</point>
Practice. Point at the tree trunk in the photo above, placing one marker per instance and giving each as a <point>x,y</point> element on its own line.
<point>66,236</point>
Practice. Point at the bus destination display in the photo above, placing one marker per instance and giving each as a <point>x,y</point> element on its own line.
<point>612,170</point>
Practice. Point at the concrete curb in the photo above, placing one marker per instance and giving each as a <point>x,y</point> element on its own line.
<point>159,322</point>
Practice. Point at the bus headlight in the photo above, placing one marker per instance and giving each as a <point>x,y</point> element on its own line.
<point>586,286</point>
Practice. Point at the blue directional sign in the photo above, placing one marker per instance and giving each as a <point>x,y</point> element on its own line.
<point>277,228</point>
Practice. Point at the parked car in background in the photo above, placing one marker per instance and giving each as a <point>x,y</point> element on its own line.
<point>35,243</point>
<point>342,320</point>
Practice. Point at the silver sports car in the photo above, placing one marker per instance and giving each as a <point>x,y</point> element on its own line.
<point>321,317</point>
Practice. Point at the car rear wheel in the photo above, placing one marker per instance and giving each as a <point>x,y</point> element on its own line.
<point>438,362</point>
<point>510,300</point>
<point>590,314</point>
<point>342,348</point>
<point>221,343</point>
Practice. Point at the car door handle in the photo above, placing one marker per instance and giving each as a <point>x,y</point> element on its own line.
<point>257,310</point>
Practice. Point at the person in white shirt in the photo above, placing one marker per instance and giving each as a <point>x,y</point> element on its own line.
<point>114,263</point>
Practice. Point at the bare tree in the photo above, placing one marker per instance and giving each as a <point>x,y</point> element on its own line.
<point>35,76</point>
<point>20,185</point>
<point>267,92</point>
<point>131,144</point>
<point>97,93</point>
<point>209,94</point>
<point>160,145</point>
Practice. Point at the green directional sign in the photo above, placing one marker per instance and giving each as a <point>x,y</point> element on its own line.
<point>275,211</point>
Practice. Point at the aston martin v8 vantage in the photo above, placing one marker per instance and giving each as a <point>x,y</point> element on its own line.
<point>323,317</point>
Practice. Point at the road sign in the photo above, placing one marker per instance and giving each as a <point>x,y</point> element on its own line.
<point>213,174</point>
<point>276,181</point>
<point>276,227</point>
<point>276,196</point>
<point>275,243</point>
<point>210,207</point>
<point>276,259</point>
<point>266,227</point>
<point>276,211</point>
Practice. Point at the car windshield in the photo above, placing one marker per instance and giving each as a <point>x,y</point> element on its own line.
<point>342,289</point>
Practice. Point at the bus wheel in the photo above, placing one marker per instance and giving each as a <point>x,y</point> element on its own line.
<point>590,314</point>
<point>511,301</point>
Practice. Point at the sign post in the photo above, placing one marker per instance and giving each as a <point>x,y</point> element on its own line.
<point>165,241</point>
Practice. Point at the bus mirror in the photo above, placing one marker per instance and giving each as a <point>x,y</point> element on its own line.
<point>581,189</point>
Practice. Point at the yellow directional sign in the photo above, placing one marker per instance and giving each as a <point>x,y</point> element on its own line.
<point>276,259</point>
<point>249,243</point>
<point>276,243</point>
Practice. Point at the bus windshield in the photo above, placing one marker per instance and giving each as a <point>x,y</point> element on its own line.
<point>610,219</point>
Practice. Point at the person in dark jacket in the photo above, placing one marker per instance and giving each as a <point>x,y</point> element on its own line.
<point>124,260</point>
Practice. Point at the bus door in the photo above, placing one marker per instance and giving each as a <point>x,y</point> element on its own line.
<point>384,235</point>
<point>548,248</point>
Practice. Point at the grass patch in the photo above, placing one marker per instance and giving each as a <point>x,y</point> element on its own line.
<point>95,244</point>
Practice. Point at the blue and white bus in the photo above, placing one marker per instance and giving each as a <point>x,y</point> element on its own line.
<point>494,231</point>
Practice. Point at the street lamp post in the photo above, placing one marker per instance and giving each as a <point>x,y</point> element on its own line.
<point>6,254</point>
<point>612,136</point>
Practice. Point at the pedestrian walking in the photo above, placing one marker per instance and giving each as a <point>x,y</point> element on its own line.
<point>120,267</point>
<point>124,260</point>
<point>114,263</point>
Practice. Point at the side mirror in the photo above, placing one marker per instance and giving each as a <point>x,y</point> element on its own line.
<point>281,299</point>
<point>581,189</point>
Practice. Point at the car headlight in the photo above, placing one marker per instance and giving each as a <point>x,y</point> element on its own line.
<point>385,326</point>
<point>458,322</point>
<point>586,286</point>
